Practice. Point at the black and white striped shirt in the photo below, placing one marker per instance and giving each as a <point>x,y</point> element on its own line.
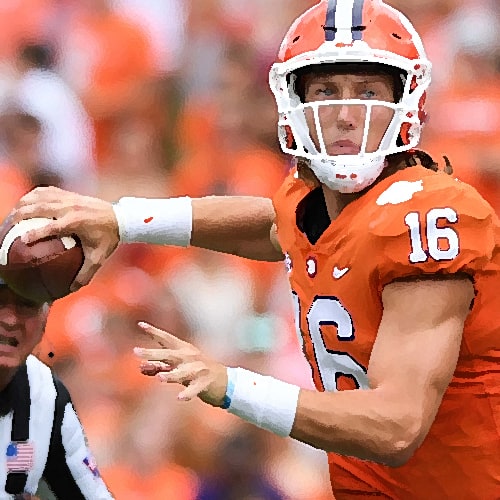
<point>42,440</point>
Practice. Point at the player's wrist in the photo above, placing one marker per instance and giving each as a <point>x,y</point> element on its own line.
<point>264,401</point>
<point>228,393</point>
<point>166,221</point>
<point>216,391</point>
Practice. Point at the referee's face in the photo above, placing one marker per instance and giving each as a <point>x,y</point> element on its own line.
<point>22,323</point>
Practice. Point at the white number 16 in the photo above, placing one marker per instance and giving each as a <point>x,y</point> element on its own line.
<point>433,234</point>
<point>331,364</point>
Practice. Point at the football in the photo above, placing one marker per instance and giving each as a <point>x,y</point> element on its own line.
<point>42,271</point>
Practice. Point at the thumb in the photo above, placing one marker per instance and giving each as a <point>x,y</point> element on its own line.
<point>85,274</point>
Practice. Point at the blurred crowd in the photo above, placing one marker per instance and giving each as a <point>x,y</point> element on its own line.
<point>160,98</point>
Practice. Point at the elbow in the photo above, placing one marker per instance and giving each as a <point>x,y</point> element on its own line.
<point>398,455</point>
<point>402,444</point>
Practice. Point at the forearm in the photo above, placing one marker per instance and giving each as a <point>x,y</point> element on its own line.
<point>373,424</point>
<point>363,423</point>
<point>238,225</point>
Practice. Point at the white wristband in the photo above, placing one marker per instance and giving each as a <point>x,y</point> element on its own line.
<point>167,221</point>
<point>266,402</point>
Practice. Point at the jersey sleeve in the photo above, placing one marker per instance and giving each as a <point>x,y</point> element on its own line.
<point>442,230</point>
<point>71,471</point>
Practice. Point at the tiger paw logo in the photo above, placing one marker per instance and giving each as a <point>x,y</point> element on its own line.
<point>399,192</point>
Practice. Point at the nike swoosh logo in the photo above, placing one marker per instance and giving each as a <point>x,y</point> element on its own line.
<point>338,273</point>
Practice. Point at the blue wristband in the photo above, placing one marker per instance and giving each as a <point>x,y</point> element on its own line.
<point>226,402</point>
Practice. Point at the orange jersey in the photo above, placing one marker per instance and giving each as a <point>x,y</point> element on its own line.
<point>412,223</point>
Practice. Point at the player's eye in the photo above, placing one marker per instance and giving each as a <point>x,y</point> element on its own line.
<point>24,307</point>
<point>368,94</point>
<point>321,92</point>
<point>27,306</point>
<point>326,92</point>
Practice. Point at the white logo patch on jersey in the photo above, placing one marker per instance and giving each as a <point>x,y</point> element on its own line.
<point>311,267</point>
<point>399,192</point>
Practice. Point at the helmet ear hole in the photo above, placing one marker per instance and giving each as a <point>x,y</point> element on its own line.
<point>290,140</point>
<point>404,135</point>
<point>413,84</point>
<point>422,115</point>
<point>286,137</point>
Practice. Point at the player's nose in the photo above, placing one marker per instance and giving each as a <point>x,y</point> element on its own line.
<point>349,116</point>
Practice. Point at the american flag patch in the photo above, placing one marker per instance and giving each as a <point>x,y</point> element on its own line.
<point>92,465</point>
<point>20,457</point>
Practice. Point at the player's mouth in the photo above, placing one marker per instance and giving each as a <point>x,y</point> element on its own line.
<point>344,147</point>
<point>9,341</point>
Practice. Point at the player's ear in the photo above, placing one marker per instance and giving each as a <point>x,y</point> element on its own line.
<point>273,235</point>
<point>44,313</point>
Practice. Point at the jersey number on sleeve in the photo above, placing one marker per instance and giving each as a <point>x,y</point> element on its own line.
<point>332,365</point>
<point>442,242</point>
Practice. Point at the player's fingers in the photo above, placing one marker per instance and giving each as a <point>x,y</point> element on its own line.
<point>56,203</point>
<point>50,229</point>
<point>158,340</point>
<point>93,260</point>
<point>151,368</point>
<point>49,208</point>
<point>40,194</point>
<point>193,389</point>
<point>180,375</point>
<point>186,373</point>
<point>169,356</point>
<point>166,338</point>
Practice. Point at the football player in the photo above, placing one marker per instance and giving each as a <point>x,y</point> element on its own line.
<point>394,267</point>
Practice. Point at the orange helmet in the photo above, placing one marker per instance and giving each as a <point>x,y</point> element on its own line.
<point>359,32</point>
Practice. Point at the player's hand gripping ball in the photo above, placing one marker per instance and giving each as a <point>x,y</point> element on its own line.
<point>42,271</point>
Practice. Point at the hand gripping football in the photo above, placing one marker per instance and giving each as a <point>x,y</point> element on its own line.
<point>42,271</point>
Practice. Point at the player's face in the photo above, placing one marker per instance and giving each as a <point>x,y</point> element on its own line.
<point>21,327</point>
<point>343,125</point>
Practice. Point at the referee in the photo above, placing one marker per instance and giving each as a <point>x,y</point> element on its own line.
<point>42,443</point>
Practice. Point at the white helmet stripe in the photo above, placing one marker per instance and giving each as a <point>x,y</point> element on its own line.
<point>343,21</point>
<point>339,21</point>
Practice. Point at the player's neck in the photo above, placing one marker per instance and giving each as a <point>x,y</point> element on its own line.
<point>336,202</point>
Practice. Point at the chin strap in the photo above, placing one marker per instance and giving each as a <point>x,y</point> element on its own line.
<point>335,174</point>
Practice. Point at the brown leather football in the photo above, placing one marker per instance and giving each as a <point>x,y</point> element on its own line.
<point>42,271</point>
